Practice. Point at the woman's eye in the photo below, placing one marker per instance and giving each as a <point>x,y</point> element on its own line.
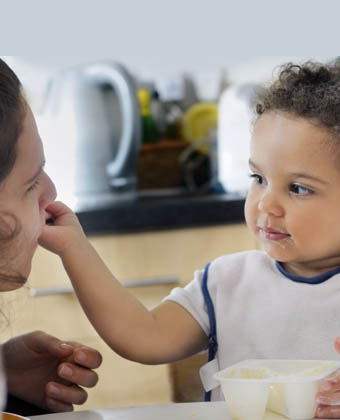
<point>34,185</point>
<point>300,189</point>
<point>257,178</point>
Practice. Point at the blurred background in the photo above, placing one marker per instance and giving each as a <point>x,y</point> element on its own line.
<point>194,68</point>
<point>133,126</point>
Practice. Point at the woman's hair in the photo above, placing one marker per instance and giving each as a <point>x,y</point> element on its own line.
<point>310,90</point>
<point>12,111</point>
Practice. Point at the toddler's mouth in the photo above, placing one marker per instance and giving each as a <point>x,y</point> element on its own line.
<point>272,234</point>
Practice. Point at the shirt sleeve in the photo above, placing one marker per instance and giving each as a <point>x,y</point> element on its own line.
<point>191,298</point>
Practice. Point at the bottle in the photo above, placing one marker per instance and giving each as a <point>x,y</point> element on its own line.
<point>149,134</point>
<point>157,113</point>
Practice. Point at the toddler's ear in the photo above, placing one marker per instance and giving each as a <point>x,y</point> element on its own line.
<point>337,344</point>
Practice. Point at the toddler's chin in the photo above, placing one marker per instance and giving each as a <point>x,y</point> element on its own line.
<point>278,253</point>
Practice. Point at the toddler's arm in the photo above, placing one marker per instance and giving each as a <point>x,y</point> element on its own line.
<point>164,334</point>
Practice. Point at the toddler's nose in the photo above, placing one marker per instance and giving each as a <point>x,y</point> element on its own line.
<point>270,204</point>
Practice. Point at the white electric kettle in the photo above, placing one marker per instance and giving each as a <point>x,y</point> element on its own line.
<point>235,119</point>
<point>91,130</point>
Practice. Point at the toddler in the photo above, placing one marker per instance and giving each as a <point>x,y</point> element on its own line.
<point>281,302</point>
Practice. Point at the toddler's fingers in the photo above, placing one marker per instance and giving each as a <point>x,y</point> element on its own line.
<point>57,209</point>
<point>337,344</point>
<point>328,398</point>
<point>331,384</point>
<point>328,412</point>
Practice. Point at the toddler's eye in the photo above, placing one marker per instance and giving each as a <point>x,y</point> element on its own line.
<point>300,189</point>
<point>257,178</point>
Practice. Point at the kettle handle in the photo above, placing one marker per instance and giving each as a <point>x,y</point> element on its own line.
<point>118,77</point>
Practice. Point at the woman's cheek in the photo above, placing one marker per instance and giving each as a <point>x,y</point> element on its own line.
<point>33,223</point>
<point>37,226</point>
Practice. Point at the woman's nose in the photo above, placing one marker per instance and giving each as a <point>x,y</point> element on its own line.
<point>49,193</point>
<point>269,203</point>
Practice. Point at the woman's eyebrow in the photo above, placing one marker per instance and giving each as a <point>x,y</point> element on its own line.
<point>252,164</point>
<point>36,174</point>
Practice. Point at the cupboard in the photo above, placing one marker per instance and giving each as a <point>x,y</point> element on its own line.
<point>153,262</point>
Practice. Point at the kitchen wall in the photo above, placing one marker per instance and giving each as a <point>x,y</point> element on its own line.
<point>162,38</point>
<point>166,38</point>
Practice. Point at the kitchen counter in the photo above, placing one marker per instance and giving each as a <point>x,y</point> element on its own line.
<point>217,410</point>
<point>157,210</point>
<point>185,411</point>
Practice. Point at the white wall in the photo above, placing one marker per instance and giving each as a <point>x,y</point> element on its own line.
<point>154,38</point>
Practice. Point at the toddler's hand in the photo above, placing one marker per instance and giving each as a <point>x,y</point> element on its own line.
<point>329,396</point>
<point>64,232</point>
<point>329,399</point>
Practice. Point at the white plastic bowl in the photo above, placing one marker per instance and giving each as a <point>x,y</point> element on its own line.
<point>287,387</point>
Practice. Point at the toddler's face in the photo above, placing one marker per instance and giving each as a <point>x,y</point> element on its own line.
<point>24,196</point>
<point>293,205</point>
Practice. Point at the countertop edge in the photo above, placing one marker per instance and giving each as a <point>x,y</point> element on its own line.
<point>162,214</point>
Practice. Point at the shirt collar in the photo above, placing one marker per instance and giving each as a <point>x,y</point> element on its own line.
<point>310,280</point>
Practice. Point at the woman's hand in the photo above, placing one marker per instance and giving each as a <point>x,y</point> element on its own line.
<point>62,230</point>
<point>329,396</point>
<point>49,373</point>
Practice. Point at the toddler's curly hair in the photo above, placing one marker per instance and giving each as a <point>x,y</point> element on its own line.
<point>310,90</point>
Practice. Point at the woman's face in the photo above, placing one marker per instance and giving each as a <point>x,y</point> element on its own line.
<point>24,196</point>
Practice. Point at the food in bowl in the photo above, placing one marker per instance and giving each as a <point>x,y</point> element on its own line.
<point>287,387</point>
